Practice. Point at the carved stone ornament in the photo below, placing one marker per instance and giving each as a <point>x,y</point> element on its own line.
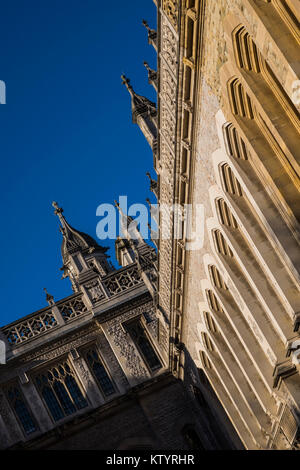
<point>126,349</point>
<point>170,7</point>
<point>63,346</point>
<point>94,291</point>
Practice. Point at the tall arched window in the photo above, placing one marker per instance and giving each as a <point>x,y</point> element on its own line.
<point>21,409</point>
<point>99,371</point>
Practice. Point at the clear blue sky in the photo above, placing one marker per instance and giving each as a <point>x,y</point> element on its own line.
<point>66,131</point>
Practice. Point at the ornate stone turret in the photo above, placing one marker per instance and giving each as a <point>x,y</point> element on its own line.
<point>143,113</point>
<point>134,249</point>
<point>80,252</point>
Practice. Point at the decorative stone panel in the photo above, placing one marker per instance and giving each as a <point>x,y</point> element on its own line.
<point>170,7</point>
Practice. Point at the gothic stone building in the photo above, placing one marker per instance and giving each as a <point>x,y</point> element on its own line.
<point>194,346</point>
<point>227,142</point>
<point>91,371</point>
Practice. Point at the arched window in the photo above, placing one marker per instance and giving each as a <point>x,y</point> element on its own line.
<point>225,215</point>
<point>99,372</point>
<point>60,391</point>
<point>21,409</point>
<point>221,244</point>
<point>216,278</point>
<point>138,333</point>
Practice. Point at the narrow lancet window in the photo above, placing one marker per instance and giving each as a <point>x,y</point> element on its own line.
<point>139,335</point>
<point>99,372</point>
<point>18,404</point>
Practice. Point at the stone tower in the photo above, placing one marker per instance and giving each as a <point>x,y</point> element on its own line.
<point>195,345</point>
<point>228,144</point>
<point>91,371</point>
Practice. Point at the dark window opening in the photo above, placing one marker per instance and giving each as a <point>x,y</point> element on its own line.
<point>140,338</point>
<point>99,372</point>
<point>192,439</point>
<point>199,397</point>
<point>22,411</point>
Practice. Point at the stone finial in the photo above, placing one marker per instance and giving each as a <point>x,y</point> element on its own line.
<point>58,210</point>
<point>126,82</point>
<point>151,33</point>
<point>153,184</point>
<point>152,74</point>
<point>145,23</point>
<point>147,67</point>
<point>49,297</point>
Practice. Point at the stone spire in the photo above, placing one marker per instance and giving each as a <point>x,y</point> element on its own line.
<point>129,227</point>
<point>143,113</point>
<point>139,104</point>
<point>80,252</point>
<point>136,250</point>
<point>126,247</point>
<point>49,297</point>
<point>74,240</point>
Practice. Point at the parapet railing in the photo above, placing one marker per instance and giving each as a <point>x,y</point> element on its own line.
<point>43,321</point>
<point>63,311</point>
<point>121,280</point>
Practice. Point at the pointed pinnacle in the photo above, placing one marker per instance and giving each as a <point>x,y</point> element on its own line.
<point>145,23</point>
<point>49,297</point>
<point>126,81</point>
<point>147,67</point>
<point>58,210</point>
<point>151,32</point>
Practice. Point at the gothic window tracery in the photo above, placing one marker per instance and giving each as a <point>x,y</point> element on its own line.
<point>72,309</point>
<point>60,391</point>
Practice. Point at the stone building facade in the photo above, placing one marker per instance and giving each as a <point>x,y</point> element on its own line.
<point>195,346</point>
<point>228,144</point>
<point>91,371</point>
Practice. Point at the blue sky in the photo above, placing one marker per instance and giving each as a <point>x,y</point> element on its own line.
<point>66,131</point>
